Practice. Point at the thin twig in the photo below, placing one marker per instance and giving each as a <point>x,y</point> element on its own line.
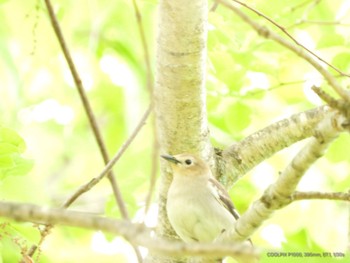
<point>149,77</point>
<point>323,23</point>
<point>46,230</point>
<point>348,225</point>
<point>297,6</point>
<point>297,196</point>
<point>154,169</point>
<point>145,47</point>
<point>91,118</point>
<point>277,86</point>
<point>289,36</point>
<point>87,107</point>
<point>265,32</point>
<point>86,187</point>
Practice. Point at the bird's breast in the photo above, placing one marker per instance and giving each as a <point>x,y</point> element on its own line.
<point>194,213</point>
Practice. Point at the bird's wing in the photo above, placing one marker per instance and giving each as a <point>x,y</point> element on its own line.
<point>222,197</point>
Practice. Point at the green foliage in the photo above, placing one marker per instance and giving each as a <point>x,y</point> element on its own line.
<point>301,241</point>
<point>14,239</point>
<point>341,60</point>
<point>337,151</point>
<point>229,114</point>
<point>11,148</point>
<point>251,82</point>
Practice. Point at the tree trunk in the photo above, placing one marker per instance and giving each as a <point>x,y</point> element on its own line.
<point>180,100</point>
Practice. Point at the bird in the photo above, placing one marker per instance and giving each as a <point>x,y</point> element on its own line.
<point>198,206</point>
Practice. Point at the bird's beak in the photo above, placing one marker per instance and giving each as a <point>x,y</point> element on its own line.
<point>170,158</point>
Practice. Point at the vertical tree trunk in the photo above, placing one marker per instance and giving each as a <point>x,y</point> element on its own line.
<point>180,80</point>
<point>180,100</point>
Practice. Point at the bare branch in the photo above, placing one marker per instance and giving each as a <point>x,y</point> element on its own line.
<point>300,5</point>
<point>341,105</point>
<point>290,36</point>
<point>87,107</point>
<point>153,177</point>
<point>145,47</point>
<point>280,85</point>
<point>86,187</point>
<point>298,49</point>
<point>323,23</point>
<point>279,194</point>
<point>136,234</point>
<point>91,118</point>
<point>240,157</point>
<point>326,97</point>
<point>296,196</point>
<point>149,77</point>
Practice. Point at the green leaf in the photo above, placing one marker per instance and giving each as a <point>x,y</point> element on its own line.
<point>229,114</point>
<point>300,241</point>
<point>111,209</point>
<point>342,61</point>
<point>330,40</point>
<point>6,161</point>
<point>11,161</point>
<point>227,71</point>
<point>338,150</point>
<point>7,148</point>
<point>237,117</point>
<point>9,136</point>
<point>20,166</point>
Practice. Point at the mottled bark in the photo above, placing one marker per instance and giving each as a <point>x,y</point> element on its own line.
<point>179,92</point>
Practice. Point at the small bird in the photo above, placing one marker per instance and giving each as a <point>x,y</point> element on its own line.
<point>198,206</point>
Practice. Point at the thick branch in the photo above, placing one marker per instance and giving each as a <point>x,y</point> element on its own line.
<point>239,158</point>
<point>135,233</point>
<point>279,194</point>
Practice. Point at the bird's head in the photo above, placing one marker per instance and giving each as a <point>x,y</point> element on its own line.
<point>186,164</point>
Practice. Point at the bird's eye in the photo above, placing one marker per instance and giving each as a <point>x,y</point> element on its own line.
<point>188,162</point>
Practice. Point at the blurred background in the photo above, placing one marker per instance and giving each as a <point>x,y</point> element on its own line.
<point>251,83</point>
